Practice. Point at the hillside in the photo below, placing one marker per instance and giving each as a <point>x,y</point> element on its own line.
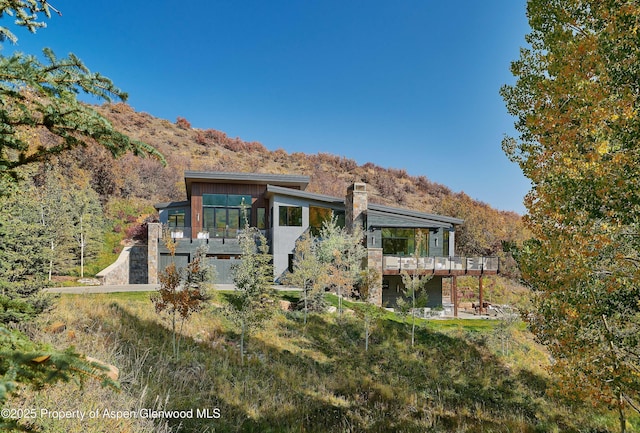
<point>461,376</point>
<point>187,148</point>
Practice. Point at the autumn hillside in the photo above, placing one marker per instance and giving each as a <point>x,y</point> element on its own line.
<point>187,148</point>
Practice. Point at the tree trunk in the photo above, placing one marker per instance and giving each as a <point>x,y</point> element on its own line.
<point>81,246</point>
<point>305,305</point>
<point>621,415</point>
<point>242,343</point>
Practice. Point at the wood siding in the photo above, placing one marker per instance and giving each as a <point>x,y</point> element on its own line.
<point>257,193</point>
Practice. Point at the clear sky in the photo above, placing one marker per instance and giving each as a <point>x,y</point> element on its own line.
<point>407,84</point>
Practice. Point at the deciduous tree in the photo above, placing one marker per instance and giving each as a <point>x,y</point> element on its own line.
<point>309,273</point>
<point>254,297</point>
<point>342,252</point>
<point>414,295</point>
<point>576,101</point>
<point>183,290</point>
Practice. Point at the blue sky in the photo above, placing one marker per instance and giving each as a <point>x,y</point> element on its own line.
<point>407,84</point>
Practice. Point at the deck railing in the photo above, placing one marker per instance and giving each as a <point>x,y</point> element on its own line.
<point>178,233</point>
<point>443,265</point>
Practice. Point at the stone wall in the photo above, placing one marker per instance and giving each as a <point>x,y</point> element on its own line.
<point>118,272</point>
<point>154,231</point>
<point>130,268</point>
<point>356,203</point>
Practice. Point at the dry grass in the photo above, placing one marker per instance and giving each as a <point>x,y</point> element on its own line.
<point>316,378</point>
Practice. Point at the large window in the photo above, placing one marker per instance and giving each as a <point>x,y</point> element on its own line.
<point>176,218</point>
<point>224,214</point>
<point>445,243</point>
<point>261,218</point>
<point>318,215</point>
<point>290,216</point>
<point>402,242</point>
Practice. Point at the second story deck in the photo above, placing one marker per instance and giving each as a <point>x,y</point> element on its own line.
<point>444,266</point>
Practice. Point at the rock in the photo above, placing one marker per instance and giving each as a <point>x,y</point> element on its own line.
<point>285,305</point>
<point>56,328</point>
<point>89,282</point>
<point>112,371</point>
<point>332,309</point>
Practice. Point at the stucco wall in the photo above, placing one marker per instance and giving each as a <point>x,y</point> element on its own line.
<point>284,238</point>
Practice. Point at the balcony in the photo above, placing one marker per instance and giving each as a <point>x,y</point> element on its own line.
<point>445,266</point>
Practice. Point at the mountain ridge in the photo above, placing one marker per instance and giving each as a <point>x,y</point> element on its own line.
<point>187,148</point>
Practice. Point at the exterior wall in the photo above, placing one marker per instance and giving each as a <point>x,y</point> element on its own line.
<point>395,286</point>
<point>436,241</point>
<point>283,238</point>
<point>452,243</point>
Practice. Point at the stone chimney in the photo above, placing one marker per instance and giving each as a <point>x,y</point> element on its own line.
<point>356,204</point>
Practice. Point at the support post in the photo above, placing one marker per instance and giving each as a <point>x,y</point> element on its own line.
<point>454,295</point>
<point>481,294</point>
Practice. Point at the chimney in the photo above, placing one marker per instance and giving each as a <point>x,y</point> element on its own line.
<point>355,205</point>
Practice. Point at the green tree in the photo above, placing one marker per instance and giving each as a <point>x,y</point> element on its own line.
<point>576,101</point>
<point>253,301</point>
<point>308,273</point>
<point>40,116</point>
<point>23,257</point>
<point>41,97</point>
<point>343,254</point>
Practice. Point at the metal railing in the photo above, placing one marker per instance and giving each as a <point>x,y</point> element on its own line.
<point>441,264</point>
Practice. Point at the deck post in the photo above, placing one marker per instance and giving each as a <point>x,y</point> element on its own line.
<point>454,295</point>
<point>480,287</point>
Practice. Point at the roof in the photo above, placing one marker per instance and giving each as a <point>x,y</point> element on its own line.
<point>379,210</point>
<point>172,204</point>
<point>377,215</point>
<point>284,180</point>
<point>330,200</point>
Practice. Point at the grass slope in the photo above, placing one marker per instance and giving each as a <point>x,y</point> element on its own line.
<point>318,378</point>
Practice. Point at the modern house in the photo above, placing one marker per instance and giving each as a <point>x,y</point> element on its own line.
<point>280,206</point>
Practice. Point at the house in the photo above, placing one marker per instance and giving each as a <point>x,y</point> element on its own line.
<point>283,210</point>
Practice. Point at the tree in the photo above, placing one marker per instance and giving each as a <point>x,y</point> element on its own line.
<point>308,272</point>
<point>254,298</point>
<point>366,310</point>
<point>56,219</point>
<point>575,100</point>
<point>86,214</point>
<point>40,98</point>
<point>414,296</point>
<point>182,290</point>
<point>343,253</point>
<point>41,116</point>
<point>23,257</point>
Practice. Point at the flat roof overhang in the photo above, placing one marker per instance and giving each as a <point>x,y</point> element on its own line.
<point>283,180</point>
